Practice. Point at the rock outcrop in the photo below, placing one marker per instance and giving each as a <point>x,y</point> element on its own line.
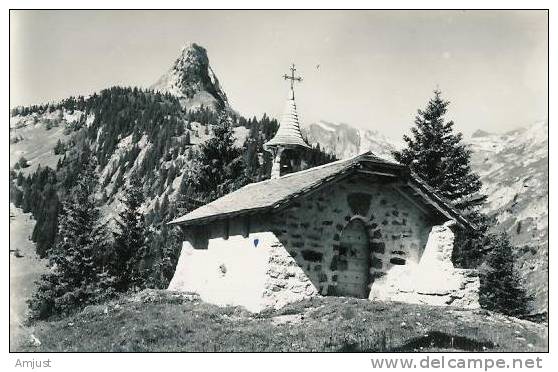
<point>192,80</point>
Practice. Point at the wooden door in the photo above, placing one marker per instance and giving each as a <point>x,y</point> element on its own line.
<point>353,262</point>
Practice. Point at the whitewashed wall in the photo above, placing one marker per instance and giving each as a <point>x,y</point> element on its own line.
<point>228,272</point>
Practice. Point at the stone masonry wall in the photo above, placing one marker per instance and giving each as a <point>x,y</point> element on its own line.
<point>434,280</point>
<point>286,281</point>
<point>311,231</point>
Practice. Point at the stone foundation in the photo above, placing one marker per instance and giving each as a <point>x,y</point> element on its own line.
<point>434,280</point>
<point>286,281</point>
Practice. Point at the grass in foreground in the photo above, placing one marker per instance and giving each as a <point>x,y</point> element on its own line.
<point>162,321</point>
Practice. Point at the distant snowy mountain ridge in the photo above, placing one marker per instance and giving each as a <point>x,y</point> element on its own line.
<point>345,141</point>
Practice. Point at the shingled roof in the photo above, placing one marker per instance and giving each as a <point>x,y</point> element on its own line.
<point>288,134</point>
<point>277,193</point>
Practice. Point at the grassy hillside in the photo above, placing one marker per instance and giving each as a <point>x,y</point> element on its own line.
<point>164,321</point>
<point>25,268</point>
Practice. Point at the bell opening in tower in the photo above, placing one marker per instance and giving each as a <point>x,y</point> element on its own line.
<point>290,161</point>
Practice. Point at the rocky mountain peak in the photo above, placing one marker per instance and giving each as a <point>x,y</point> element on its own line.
<point>192,80</point>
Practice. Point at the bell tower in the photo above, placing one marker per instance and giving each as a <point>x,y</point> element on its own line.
<point>288,142</point>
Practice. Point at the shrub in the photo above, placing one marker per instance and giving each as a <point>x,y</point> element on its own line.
<point>22,163</point>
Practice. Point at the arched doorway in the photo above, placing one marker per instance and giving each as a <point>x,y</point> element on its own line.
<point>353,262</point>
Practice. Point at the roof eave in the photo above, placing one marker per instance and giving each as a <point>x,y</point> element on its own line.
<point>438,203</point>
<point>217,217</point>
<point>271,144</point>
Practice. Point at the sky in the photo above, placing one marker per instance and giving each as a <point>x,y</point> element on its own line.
<point>376,68</point>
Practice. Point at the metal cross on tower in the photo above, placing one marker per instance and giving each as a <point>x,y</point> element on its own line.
<point>292,78</point>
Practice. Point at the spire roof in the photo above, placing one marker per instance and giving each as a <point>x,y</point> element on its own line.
<point>288,135</point>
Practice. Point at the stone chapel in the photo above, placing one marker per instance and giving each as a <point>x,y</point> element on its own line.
<point>360,227</point>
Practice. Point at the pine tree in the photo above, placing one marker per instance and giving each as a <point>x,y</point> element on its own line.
<point>59,148</point>
<point>78,276</point>
<point>437,155</point>
<point>164,209</point>
<point>130,239</point>
<point>164,249</point>
<point>501,288</point>
<point>20,179</point>
<point>220,167</point>
<point>251,160</point>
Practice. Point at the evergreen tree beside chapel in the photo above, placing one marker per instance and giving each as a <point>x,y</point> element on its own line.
<point>164,245</point>
<point>438,155</point>
<point>78,262</point>
<point>501,288</point>
<point>130,247</point>
<point>220,167</point>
